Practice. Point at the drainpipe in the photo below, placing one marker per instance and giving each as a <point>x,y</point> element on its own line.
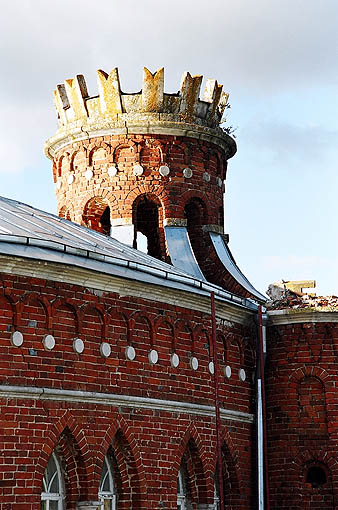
<point>218,417</point>
<point>263,474</point>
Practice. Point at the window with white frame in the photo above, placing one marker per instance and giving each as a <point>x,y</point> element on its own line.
<point>53,494</point>
<point>181,491</point>
<point>107,491</point>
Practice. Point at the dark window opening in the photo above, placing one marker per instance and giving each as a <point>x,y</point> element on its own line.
<point>105,222</point>
<point>194,212</point>
<point>316,476</point>
<point>221,216</point>
<point>146,222</point>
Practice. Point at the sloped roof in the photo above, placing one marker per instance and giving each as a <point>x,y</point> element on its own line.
<point>32,233</point>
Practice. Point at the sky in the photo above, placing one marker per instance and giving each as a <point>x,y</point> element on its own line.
<point>276,58</point>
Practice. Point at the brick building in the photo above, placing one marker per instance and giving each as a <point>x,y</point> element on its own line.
<point>112,392</point>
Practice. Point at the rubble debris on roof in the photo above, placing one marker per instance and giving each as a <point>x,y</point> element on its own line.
<point>288,294</point>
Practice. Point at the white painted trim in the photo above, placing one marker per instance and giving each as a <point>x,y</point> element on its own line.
<point>292,316</point>
<point>129,401</point>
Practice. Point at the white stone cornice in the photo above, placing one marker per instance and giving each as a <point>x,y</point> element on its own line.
<point>129,401</point>
<point>300,315</point>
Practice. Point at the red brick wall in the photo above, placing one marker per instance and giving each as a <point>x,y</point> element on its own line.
<point>302,415</point>
<point>148,444</point>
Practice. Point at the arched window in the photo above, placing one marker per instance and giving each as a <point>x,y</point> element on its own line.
<point>146,219</point>
<point>181,491</point>
<point>53,495</point>
<point>107,491</point>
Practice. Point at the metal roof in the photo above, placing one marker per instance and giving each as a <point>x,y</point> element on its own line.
<point>29,232</point>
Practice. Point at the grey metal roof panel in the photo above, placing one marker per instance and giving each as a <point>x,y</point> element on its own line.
<point>180,251</point>
<point>29,232</point>
<point>227,259</point>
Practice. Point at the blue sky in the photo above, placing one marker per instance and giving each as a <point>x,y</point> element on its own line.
<point>278,61</point>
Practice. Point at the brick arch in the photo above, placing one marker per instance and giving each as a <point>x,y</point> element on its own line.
<point>311,371</point>
<point>312,401</point>
<point>64,212</point>
<point>121,439</point>
<point>165,321</point>
<point>184,326</point>
<point>132,153</point>
<point>101,193</point>
<point>201,331</point>
<point>52,436</point>
<point>297,472</point>
<point>141,315</point>
<point>127,144</point>
<point>100,311</point>
<point>215,157</point>
<point>63,157</point>
<point>192,451</point>
<point>94,152</point>
<point>177,154</point>
<point>148,189</point>
<point>234,482</point>
<point>187,197</point>
<point>72,306</point>
<point>44,303</point>
<point>115,315</point>
<point>313,454</point>
<point>5,296</point>
<point>73,157</point>
<point>224,339</point>
<point>150,157</point>
<point>147,217</point>
<point>93,207</point>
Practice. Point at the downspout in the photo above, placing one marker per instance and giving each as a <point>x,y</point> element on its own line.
<point>218,417</point>
<point>263,473</point>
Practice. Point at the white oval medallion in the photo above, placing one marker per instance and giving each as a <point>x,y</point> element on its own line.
<point>137,170</point>
<point>242,374</point>
<point>58,184</point>
<point>17,338</point>
<point>130,353</point>
<point>187,172</point>
<point>105,350</point>
<point>174,360</point>
<point>219,182</point>
<point>78,345</point>
<point>112,171</point>
<point>227,371</point>
<point>89,174</point>
<point>164,170</point>
<point>194,363</point>
<point>71,178</point>
<point>153,356</point>
<point>211,367</point>
<point>206,177</point>
<point>48,342</point>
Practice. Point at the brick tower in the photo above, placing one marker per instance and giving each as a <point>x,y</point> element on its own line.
<point>148,169</point>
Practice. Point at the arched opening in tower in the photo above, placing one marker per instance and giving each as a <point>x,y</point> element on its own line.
<point>146,222</point>
<point>105,221</point>
<point>96,215</point>
<point>195,214</point>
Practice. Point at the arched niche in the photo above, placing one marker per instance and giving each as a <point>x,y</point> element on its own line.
<point>96,215</point>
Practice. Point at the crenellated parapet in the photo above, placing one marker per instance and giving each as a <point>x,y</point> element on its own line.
<point>149,111</point>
